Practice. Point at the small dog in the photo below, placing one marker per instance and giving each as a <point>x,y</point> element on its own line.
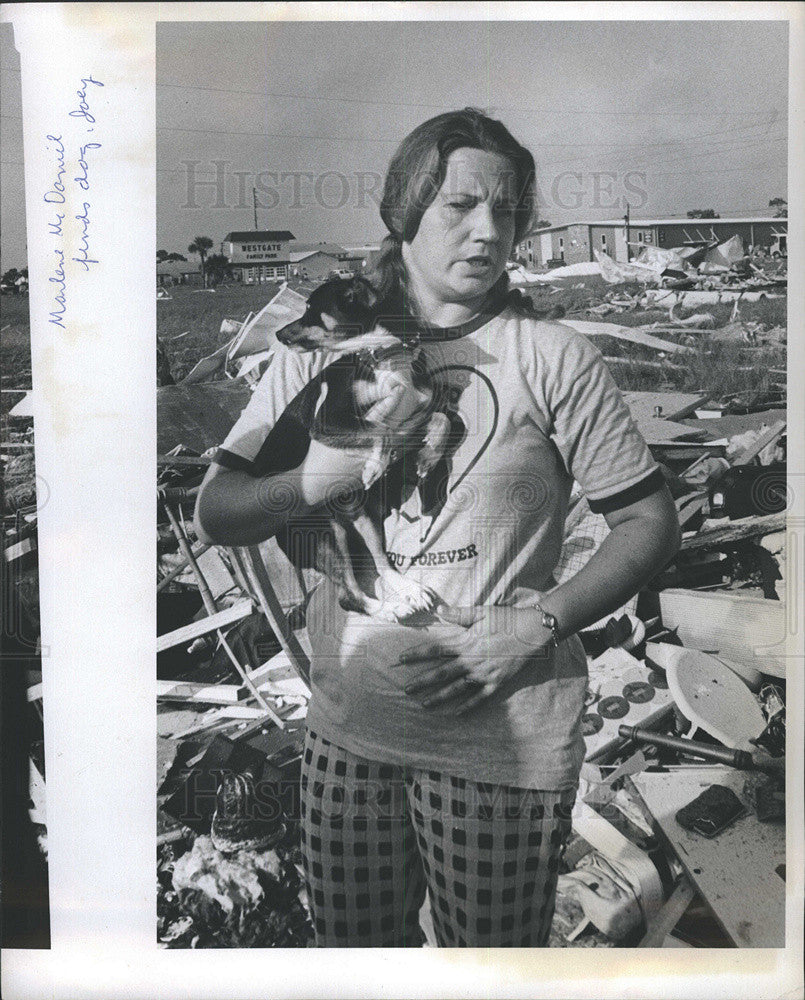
<point>348,546</point>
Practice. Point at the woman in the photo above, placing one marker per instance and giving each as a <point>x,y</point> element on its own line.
<point>446,759</point>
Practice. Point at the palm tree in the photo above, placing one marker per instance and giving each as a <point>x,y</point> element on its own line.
<point>201,245</point>
<point>217,268</point>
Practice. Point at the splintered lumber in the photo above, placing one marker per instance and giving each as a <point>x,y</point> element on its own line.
<point>213,694</point>
<point>743,457</point>
<point>736,872</point>
<point>747,629</point>
<point>182,566</point>
<point>190,461</point>
<point>761,441</point>
<point>251,562</point>
<point>670,915</point>
<point>192,631</point>
<point>736,531</point>
<point>632,335</point>
<point>227,714</point>
<point>210,605</point>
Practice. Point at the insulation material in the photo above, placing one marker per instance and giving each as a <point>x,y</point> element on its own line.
<point>726,254</point>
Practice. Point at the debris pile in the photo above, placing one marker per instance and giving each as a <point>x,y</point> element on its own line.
<point>686,689</point>
<point>703,264</point>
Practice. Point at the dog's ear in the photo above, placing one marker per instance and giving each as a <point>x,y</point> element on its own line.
<point>359,292</point>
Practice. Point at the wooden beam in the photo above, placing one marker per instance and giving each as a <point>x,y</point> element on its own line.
<point>762,441</point>
<point>633,336</point>
<point>670,915</point>
<point>742,458</point>
<point>213,694</point>
<point>192,631</point>
<point>736,531</point>
<point>272,609</point>
<point>181,567</point>
<point>186,460</point>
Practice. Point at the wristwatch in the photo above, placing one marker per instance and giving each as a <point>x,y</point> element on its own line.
<point>549,621</point>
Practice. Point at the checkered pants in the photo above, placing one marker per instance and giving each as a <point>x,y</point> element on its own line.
<point>376,837</point>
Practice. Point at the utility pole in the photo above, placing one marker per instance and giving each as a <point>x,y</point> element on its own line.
<point>254,200</point>
<point>628,248</point>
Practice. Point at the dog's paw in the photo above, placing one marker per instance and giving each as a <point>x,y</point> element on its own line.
<point>404,597</point>
<point>399,612</point>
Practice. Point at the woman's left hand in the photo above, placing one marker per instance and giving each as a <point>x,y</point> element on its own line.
<point>463,671</point>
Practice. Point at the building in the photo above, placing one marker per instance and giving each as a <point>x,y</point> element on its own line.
<point>178,272</point>
<point>574,242</point>
<point>258,255</point>
<point>366,255</point>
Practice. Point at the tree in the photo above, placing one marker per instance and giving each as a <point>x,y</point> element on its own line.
<point>201,245</point>
<point>703,213</point>
<point>162,256</point>
<point>782,207</point>
<point>217,268</point>
<point>542,224</point>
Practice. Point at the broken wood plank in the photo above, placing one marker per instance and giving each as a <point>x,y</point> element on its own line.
<point>670,915</point>
<point>181,567</point>
<point>192,631</point>
<point>742,458</point>
<point>736,531</point>
<point>627,333</point>
<point>222,694</point>
<point>762,441</point>
<point>185,460</point>
<point>229,713</point>
<point>252,560</point>
<point>19,549</point>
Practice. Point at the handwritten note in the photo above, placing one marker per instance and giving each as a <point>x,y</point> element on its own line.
<point>71,242</point>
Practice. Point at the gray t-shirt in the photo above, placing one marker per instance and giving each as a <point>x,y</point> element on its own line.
<point>536,408</point>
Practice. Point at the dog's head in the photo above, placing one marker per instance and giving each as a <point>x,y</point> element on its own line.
<point>339,312</point>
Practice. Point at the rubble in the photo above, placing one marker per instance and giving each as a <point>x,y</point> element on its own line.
<point>703,615</point>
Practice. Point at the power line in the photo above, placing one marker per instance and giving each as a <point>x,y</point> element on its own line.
<point>634,150</point>
<point>715,170</point>
<point>502,107</point>
<point>657,145</point>
<point>277,135</point>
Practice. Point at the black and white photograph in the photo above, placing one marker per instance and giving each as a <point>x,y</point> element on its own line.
<point>475,381</point>
<point>409,553</point>
<point>24,911</point>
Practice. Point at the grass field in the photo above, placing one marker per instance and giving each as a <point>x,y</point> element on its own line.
<point>189,323</point>
<point>189,327</point>
<point>15,348</point>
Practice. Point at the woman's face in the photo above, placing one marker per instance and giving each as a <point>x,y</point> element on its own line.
<point>465,236</point>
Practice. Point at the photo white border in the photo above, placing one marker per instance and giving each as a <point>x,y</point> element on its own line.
<point>95,413</point>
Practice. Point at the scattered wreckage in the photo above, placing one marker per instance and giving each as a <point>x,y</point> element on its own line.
<point>683,784</point>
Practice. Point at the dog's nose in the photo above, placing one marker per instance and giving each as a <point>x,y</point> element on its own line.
<point>288,333</point>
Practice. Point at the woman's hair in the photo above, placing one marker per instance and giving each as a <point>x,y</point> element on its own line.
<point>417,171</point>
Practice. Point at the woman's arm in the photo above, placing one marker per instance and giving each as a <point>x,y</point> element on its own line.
<point>236,508</point>
<point>643,538</point>
<point>459,673</point>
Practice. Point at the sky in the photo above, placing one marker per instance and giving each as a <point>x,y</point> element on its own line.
<point>670,116</point>
<point>12,180</point>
